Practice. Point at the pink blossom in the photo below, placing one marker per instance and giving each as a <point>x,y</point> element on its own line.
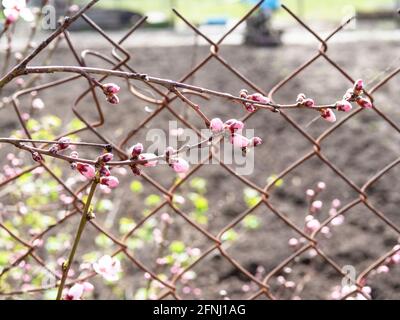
<point>300,97</point>
<point>364,103</point>
<point>148,156</point>
<point>344,106</point>
<point>111,88</point>
<point>309,103</point>
<point>179,165</point>
<point>113,99</point>
<point>13,9</point>
<point>293,242</point>
<point>328,115</point>
<point>321,185</point>
<point>239,141</point>
<point>105,171</point>
<point>86,170</point>
<point>312,225</point>
<point>359,85</point>
<point>136,149</point>
<point>337,220</point>
<point>316,205</point>
<point>75,292</point>
<point>395,258</point>
<point>336,203</point>
<point>310,193</point>
<point>255,141</point>
<point>63,143</point>
<point>258,97</point>
<point>37,103</point>
<point>110,181</point>
<point>108,267</point>
<point>382,269</point>
<point>216,125</point>
<point>106,157</point>
<point>234,125</point>
<point>87,287</point>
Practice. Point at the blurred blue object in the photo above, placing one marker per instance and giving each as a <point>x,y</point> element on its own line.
<point>217,21</point>
<point>267,4</point>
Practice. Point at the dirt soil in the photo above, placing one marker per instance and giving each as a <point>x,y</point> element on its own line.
<point>359,148</point>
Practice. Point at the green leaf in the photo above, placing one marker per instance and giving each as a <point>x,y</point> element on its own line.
<point>152,200</point>
<point>199,184</point>
<point>125,225</point>
<point>51,122</point>
<point>251,222</point>
<point>278,182</point>
<point>103,241</point>
<point>230,235</point>
<point>251,197</point>
<point>136,186</point>
<point>199,202</point>
<point>177,247</point>
<point>75,124</point>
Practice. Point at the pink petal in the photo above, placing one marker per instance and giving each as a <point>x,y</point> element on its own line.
<point>239,141</point>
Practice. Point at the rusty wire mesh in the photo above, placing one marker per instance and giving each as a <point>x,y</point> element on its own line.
<point>316,150</point>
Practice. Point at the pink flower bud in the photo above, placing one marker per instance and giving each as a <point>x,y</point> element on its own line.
<point>74,154</point>
<point>258,97</point>
<point>344,106</point>
<point>250,107</point>
<point>312,225</point>
<point>255,141</point>
<point>309,103</point>
<point>113,99</point>
<point>216,125</point>
<point>234,125</point>
<point>310,193</point>
<point>328,115</point>
<point>63,143</point>
<point>359,85</point>
<point>300,97</point>
<point>364,103</point>
<point>88,287</point>
<point>382,269</point>
<point>337,221</point>
<point>110,88</point>
<point>147,156</point>
<point>110,181</point>
<point>86,170</point>
<point>348,95</point>
<point>36,156</point>
<point>137,149</point>
<point>293,242</point>
<point>336,203</point>
<point>316,205</point>
<point>321,185</point>
<point>243,93</point>
<point>239,141</point>
<point>104,171</point>
<point>107,157</point>
<point>179,165</point>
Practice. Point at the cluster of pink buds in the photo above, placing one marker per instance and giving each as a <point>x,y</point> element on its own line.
<point>63,143</point>
<point>111,90</point>
<point>356,94</point>
<point>312,222</point>
<point>233,128</point>
<point>137,154</point>
<point>326,113</point>
<point>256,97</point>
<point>104,174</point>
